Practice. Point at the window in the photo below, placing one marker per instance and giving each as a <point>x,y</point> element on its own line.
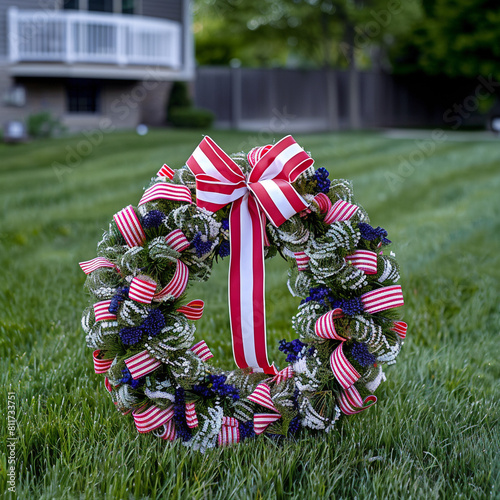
<point>101,5</point>
<point>128,6</point>
<point>83,96</point>
<point>71,4</point>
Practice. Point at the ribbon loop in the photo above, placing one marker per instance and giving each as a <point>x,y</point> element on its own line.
<point>89,266</point>
<point>193,310</point>
<point>141,364</point>
<point>202,350</point>
<point>152,418</point>
<point>351,402</point>
<point>142,289</point>
<point>229,432</point>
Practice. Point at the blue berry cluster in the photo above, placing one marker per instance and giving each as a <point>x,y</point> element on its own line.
<point>322,181</point>
<point>319,295</point>
<point>120,295</point>
<point>246,430</point>
<point>201,247</point>
<point>181,428</point>
<point>360,353</point>
<point>349,307</point>
<point>151,327</point>
<point>294,425</point>
<point>224,249</point>
<point>216,384</point>
<point>153,219</point>
<point>127,379</point>
<point>292,348</point>
<point>369,233</point>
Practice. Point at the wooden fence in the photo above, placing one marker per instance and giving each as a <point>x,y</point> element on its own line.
<point>316,100</point>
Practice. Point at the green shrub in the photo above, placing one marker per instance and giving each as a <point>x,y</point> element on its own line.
<point>179,97</point>
<point>43,124</point>
<point>191,117</point>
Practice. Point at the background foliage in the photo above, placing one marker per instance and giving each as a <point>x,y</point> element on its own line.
<point>446,37</point>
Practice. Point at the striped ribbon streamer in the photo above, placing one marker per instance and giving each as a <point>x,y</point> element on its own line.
<point>166,171</point>
<point>130,227</point>
<point>142,289</point>
<point>302,260</point>
<point>340,211</point>
<point>325,326</point>
<point>344,372</point>
<point>351,402</point>
<point>91,265</point>
<point>152,418</point>
<point>165,191</point>
<point>193,310</point>
<point>364,260</point>
<point>168,432</point>
<point>400,328</point>
<point>268,189</point>
<point>101,311</point>
<point>177,284</point>
<point>141,364</point>
<point>262,396</point>
<point>283,375</point>
<point>382,299</point>
<point>177,240</point>
<point>191,417</point>
<point>202,351</point>
<point>324,203</point>
<point>101,365</point>
<point>107,384</point>
<point>261,421</point>
<point>229,432</point>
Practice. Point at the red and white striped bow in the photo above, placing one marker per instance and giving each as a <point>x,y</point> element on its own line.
<point>266,192</point>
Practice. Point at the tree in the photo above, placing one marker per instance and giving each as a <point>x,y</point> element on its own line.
<point>454,38</point>
<point>299,32</point>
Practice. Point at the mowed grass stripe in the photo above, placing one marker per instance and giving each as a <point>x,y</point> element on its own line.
<point>434,432</point>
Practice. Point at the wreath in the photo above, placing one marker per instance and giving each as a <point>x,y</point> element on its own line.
<point>250,208</point>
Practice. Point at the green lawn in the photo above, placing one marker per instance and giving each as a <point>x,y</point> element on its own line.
<point>434,432</point>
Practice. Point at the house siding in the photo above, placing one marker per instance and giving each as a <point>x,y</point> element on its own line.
<point>165,9</point>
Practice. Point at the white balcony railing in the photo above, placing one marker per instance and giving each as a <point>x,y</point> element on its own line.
<point>88,37</point>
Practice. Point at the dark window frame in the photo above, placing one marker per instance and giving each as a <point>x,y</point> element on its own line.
<point>129,7</point>
<point>83,96</point>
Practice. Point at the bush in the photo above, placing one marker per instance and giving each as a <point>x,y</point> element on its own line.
<point>191,117</point>
<point>179,97</point>
<point>43,124</point>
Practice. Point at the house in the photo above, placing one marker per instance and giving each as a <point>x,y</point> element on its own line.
<point>93,62</point>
